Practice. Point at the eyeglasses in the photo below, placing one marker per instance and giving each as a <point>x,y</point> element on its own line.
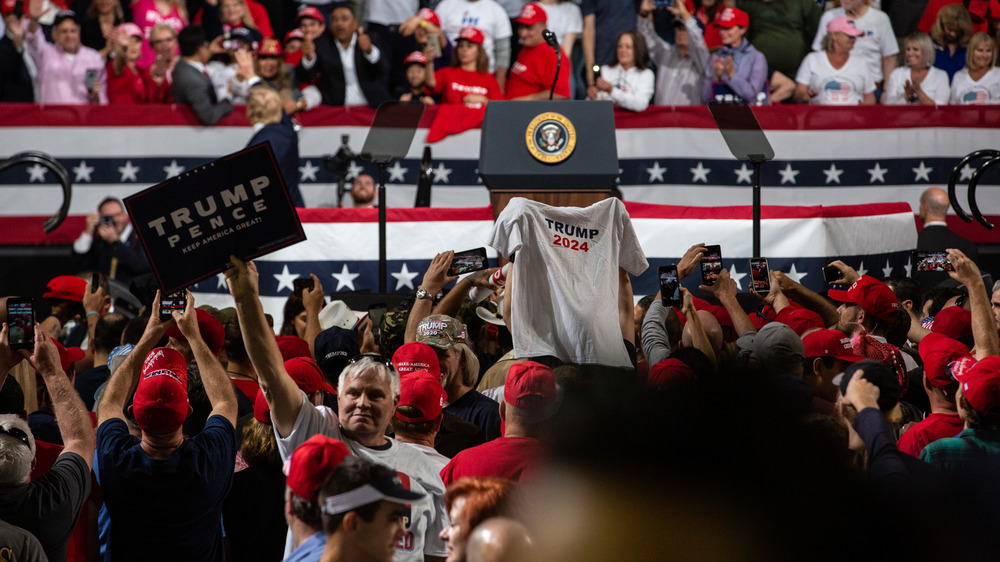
<point>164,40</point>
<point>374,357</point>
<point>16,433</point>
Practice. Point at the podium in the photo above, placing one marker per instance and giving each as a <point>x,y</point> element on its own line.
<point>561,153</point>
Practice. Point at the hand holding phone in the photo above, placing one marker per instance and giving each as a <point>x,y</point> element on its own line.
<point>171,302</point>
<point>670,294</point>
<point>300,285</point>
<point>468,261</point>
<point>20,323</point>
<point>931,261</point>
<point>711,264</point>
<point>760,276</point>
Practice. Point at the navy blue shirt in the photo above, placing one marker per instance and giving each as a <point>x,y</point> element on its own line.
<point>476,408</point>
<point>87,383</point>
<point>949,63</point>
<point>611,18</point>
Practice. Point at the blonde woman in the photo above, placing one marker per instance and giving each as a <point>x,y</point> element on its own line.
<point>147,13</point>
<point>979,82</point>
<point>918,82</point>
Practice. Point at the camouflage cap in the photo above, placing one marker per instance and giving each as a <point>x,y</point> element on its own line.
<point>441,330</point>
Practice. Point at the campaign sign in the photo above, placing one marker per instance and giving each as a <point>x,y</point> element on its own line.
<point>190,224</point>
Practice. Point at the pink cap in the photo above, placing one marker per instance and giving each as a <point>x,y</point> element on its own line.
<point>130,29</point>
<point>843,24</point>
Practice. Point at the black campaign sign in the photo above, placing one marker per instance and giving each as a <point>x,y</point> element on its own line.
<point>190,224</point>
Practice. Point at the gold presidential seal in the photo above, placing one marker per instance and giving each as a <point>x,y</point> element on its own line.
<point>550,137</point>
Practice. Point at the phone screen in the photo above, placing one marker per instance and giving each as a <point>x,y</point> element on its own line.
<point>174,301</point>
<point>300,285</point>
<point>20,323</point>
<point>468,261</point>
<point>711,264</point>
<point>931,261</point>
<point>830,274</point>
<point>91,78</point>
<point>760,275</point>
<point>376,312</point>
<point>670,287</point>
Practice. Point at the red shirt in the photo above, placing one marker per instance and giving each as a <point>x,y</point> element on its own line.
<point>453,84</point>
<point>514,458</point>
<point>534,70</point>
<point>134,86</point>
<point>711,34</point>
<point>932,428</point>
<point>934,6</point>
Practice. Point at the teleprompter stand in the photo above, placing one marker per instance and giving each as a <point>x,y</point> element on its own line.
<point>389,139</point>
<point>747,142</point>
<point>509,169</point>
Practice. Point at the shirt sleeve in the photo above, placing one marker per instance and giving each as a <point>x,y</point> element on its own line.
<point>638,97</point>
<point>310,421</point>
<point>630,254</point>
<point>895,93</point>
<point>506,235</point>
<point>655,344</point>
<point>885,461</point>
<point>821,31</point>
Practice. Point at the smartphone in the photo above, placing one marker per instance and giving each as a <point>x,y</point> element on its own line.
<point>711,264</point>
<point>435,43</point>
<point>376,312</point>
<point>831,274</point>
<point>931,261</point>
<point>760,275</point>
<point>661,4</point>
<point>95,280</point>
<point>468,261</point>
<point>670,287</point>
<point>91,78</point>
<point>300,285</point>
<point>20,323</point>
<point>171,302</point>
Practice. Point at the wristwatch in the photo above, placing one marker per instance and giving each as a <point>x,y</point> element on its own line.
<point>422,294</point>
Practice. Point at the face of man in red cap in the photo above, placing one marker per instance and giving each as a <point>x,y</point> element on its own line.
<point>532,22</point>
<point>366,402</point>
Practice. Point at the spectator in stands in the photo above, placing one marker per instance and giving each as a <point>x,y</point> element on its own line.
<point>995,303</point>
<point>471,501</point>
<point>530,399</point>
<point>951,34</point>
<point>942,356</point>
<point>783,30</point>
<point>148,13</point>
<point>68,72</point>
<point>233,70</point>
<point>935,236</point>
<point>417,419</point>
<point>99,22</point>
<point>877,43</point>
<point>366,397</point>
<point>107,335</point>
<point>679,66</point>
<point>833,76</point>
<point>737,69</point>
<point>273,72</point>
<point>365,525</point>
<point>705,12</point>
<point>163,40</point>
<point>382,20</point>
<point>308,468</point>
<point>223,16</point>
<point>211,331</point>
<point>16,83</point>
<point>918,82</point>
<point>49,506</point>
<point>165,493</point>
<point>981,14</point>
<point>293,47</point>
<point>416,78</point>
<point>498,539</point>
<point>603,22</point>
<point>827,354</point>
<point>979,82</point>
<point>533,75</point>
<point>358,82</point>
<point>270,125</point>
<point>191,84</point>
<point>425,27</point>
<point>127,84</point>
<point>293,321</point>
<point>565,19</point>
<point>467,80</point>
<point>628,81</point>
<point>109,244</point>
<point>363,192</point>
<point>491,19</point>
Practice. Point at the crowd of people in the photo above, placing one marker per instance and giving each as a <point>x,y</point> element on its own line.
<point>532,411</point>
<point>632,52</point>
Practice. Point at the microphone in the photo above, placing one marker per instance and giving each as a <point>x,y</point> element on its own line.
<point>550,38</point>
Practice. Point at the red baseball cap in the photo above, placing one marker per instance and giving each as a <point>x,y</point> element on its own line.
<point>416,57</point>
<point>732,17</point>
<point>7,7</point>
<point>294,34</point>
<point>872,295</point>
<point>532,13</point>
<point>530,386</point>
<point>65,287</point>
<point>161,403</point>
<point>938,352</point>
<point>270,47</point>
<point>212,331</point>
<point>307,375</point>
<point>981,384</point>
<point>261,411</point>
<point>416,356</point>
<point>68,355</point>
<point>953,321</point>
<point>800,319</point>
<point>429,15</point>
<point>310,12</point>
<point>472,34</point>
<point>423,391</point>
<point>671,374</point>
<point>311,463</point>
<point>830,343</point>
<point>293,346</point>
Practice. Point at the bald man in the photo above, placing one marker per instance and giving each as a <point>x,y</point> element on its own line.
<point>936,237</point>
<point>499,539</point>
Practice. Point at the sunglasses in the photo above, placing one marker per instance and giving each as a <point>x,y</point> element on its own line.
<point>374,357</point>
<point>16,433</point>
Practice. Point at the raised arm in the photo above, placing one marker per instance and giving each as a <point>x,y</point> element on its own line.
<point>283,396</point>
<point>218,387</point>
<point>724,289</point>
<point>808,299</point>
<point>75,427</point>
<point>434,279</point>
<point>984,330</point>
<point>699,339</point>
<point>312,300</point>
<point>453,300</point>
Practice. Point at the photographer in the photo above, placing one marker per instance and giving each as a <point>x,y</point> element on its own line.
<point>109,244</point>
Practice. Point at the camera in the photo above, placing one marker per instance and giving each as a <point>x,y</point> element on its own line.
<point>107,220</point>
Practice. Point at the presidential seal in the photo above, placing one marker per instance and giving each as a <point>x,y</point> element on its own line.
<point>550,137</point>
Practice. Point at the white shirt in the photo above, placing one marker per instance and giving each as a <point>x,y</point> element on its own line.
<point>966,91</point>
<point>844,86</point>
<point>390,12</point>
<point>428,517</point>
<point>631,89</point>
<point>437,459</point>
<point>935,85</point>
<point>485,15</point>
<point>352,86</point>
<point>564,293</point>
<point>879,40</point>
<point>564,18</point>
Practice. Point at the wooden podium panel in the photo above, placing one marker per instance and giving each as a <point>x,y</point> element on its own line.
<point>557,198</point>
